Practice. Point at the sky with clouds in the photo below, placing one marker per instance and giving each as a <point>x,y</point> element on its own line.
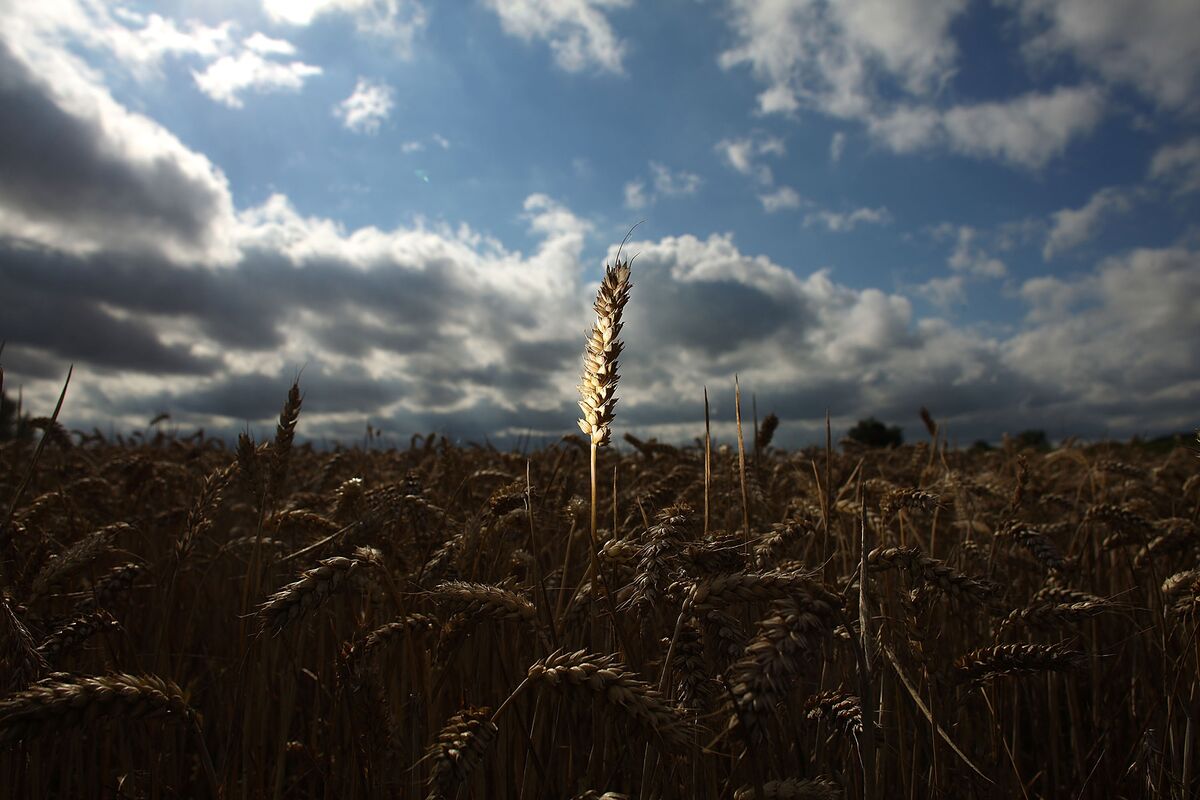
<point>986,207</point>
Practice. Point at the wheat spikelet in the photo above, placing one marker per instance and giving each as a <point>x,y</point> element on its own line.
<point>199,519</point>
<point>842,710</point>
<point>75,632</point>
<point>749,586</point>
<point>285,432</point>
<point>592,794</point>
<point>1045,615</point>
<point>766,432</point>
<point>897,499</point>
<point>360,653</point>
<point>54,705</point>
<point>459,749</point>
<point>598,387</point>
<point>1181,592</point>
<point>1037,543</point>
<point>787,639</point>
<point>792,789</point>
<point>22,658</point>
<point>1015,659</point>
<point>931,571</point>
<point>486,600</point>
<point>606,676</point>
<point>76,557</point>
<point>307,593</point>
<point>115,582</point>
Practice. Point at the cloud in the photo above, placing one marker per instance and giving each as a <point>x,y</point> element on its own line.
<point>781,199</point>
<point>945,292</point>
<point>674,184</point>
<point>838,222</point>
<point>837,146</point>
<point>1147,45</point>
<point>665,183</point>
<point>885,63</point>
<point>85,175</point>
<point>970,258</point>
<point>578,31</point>
<point>830,56</point>
<point>743,153</point>
<point>398,21</point>
<point>227,78</point>
<point>1178,164</point>
<point>1124,338</point>
<point>1074,226</point>
<point>367,106</point>
<point>635,195</point>
<point>1028,130</point>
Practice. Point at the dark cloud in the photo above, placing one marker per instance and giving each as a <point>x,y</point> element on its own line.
<point>75,173</point>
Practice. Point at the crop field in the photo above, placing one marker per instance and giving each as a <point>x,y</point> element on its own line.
<point>183,618</point>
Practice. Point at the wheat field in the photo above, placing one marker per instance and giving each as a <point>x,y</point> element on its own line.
<point>181,618</point>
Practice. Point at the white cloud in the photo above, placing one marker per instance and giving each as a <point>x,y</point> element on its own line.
<point>945,292</point>
<point>674,184</point>
<point>139,42</point>
<point>1178,164</point>
<point>830,56</point>
<point>266,46</point>
<point>367,107</point>
<point>1124,337</point>
<point>440,141</point>
<point>665,183</point>
<point>578,31</point>
<point>227,78</point>
<point>837,145</point>
<point>86,175</point>
<point>970,258</point>
<point>781,199</point>
<point>635,195</point>
<point>1148,44</point>
<point>847,59</point>
<point>399,21</point>
<point>839,222</point>
<point>1074,226</point>
<point>411,147</point>
<point>742,154</point>
<point>1028,130</point>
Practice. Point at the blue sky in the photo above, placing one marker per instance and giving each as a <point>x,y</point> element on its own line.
<point>987,208</point>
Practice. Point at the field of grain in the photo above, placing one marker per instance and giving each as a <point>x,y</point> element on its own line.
<point>724,620</point>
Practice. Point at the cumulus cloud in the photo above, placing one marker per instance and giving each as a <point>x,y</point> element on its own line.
<point>837,146</point>
<point>826,56</point>
<point>1178,164</point>
<point>781,199</point>
<point>1142,44</point>
<point>367,106</point>
<point>664,183</point>
<point>845,222</point>
<point>1129,343</point>
<point>970,257</point>
<point>635,195</point>
<point>398,21</point>
<point>884,63</point>
<point>229,77</point>
<point>578,31</point>
<point>743,155</point>
<point>1074,226</point>
<point>83,174</point>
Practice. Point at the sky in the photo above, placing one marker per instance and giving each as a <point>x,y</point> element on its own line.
<point>984,207</point>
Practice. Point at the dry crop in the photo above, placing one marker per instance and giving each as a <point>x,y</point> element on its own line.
<point>183,619</point>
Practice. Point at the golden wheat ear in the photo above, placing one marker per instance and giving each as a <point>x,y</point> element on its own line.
<point>599,384</point>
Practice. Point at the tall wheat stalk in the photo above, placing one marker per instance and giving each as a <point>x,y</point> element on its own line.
<point>598,387</point>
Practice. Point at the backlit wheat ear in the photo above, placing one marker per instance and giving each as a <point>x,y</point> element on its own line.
<point>598,388</point>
